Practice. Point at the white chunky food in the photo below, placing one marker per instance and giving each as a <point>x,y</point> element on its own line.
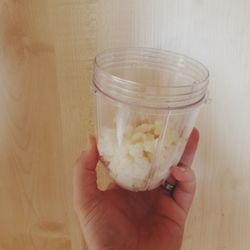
<point>137,160</point>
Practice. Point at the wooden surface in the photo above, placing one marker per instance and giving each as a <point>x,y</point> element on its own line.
<point>46,110</point>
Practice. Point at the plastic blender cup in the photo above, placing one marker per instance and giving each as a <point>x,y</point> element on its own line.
<point>147,102</point>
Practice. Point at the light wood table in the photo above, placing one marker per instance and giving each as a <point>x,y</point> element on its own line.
<point>46,111</point>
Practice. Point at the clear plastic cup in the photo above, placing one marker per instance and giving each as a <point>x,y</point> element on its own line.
<point>147,101</point>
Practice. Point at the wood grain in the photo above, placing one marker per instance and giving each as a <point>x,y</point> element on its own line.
<point>46,111</point>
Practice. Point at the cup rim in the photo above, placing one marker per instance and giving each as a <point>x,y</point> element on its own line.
<point>148,49</point>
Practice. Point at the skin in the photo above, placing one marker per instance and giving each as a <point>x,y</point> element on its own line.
<point>120,219</point>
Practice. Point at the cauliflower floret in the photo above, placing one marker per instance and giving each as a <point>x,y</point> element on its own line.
<point>136,150</point>
<point>131,161</point>
<point>172,137</point>
<point>157,127</point>
<point>145,127</point>
<point>149,143</point>
<point>136,137</point>
<point>107,143</point>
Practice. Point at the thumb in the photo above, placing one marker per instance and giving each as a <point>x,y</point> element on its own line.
<point>185,189</point>
<point>84,182</point>
<point>189,152</point>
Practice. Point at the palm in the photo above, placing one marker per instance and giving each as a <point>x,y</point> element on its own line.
<point>120,219</point>
<point>136,220</point>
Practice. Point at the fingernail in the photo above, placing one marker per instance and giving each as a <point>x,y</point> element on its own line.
<point>183,169</point>
<point>172,167</point>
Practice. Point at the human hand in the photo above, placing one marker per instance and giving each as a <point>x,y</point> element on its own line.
<point>118,219</point>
